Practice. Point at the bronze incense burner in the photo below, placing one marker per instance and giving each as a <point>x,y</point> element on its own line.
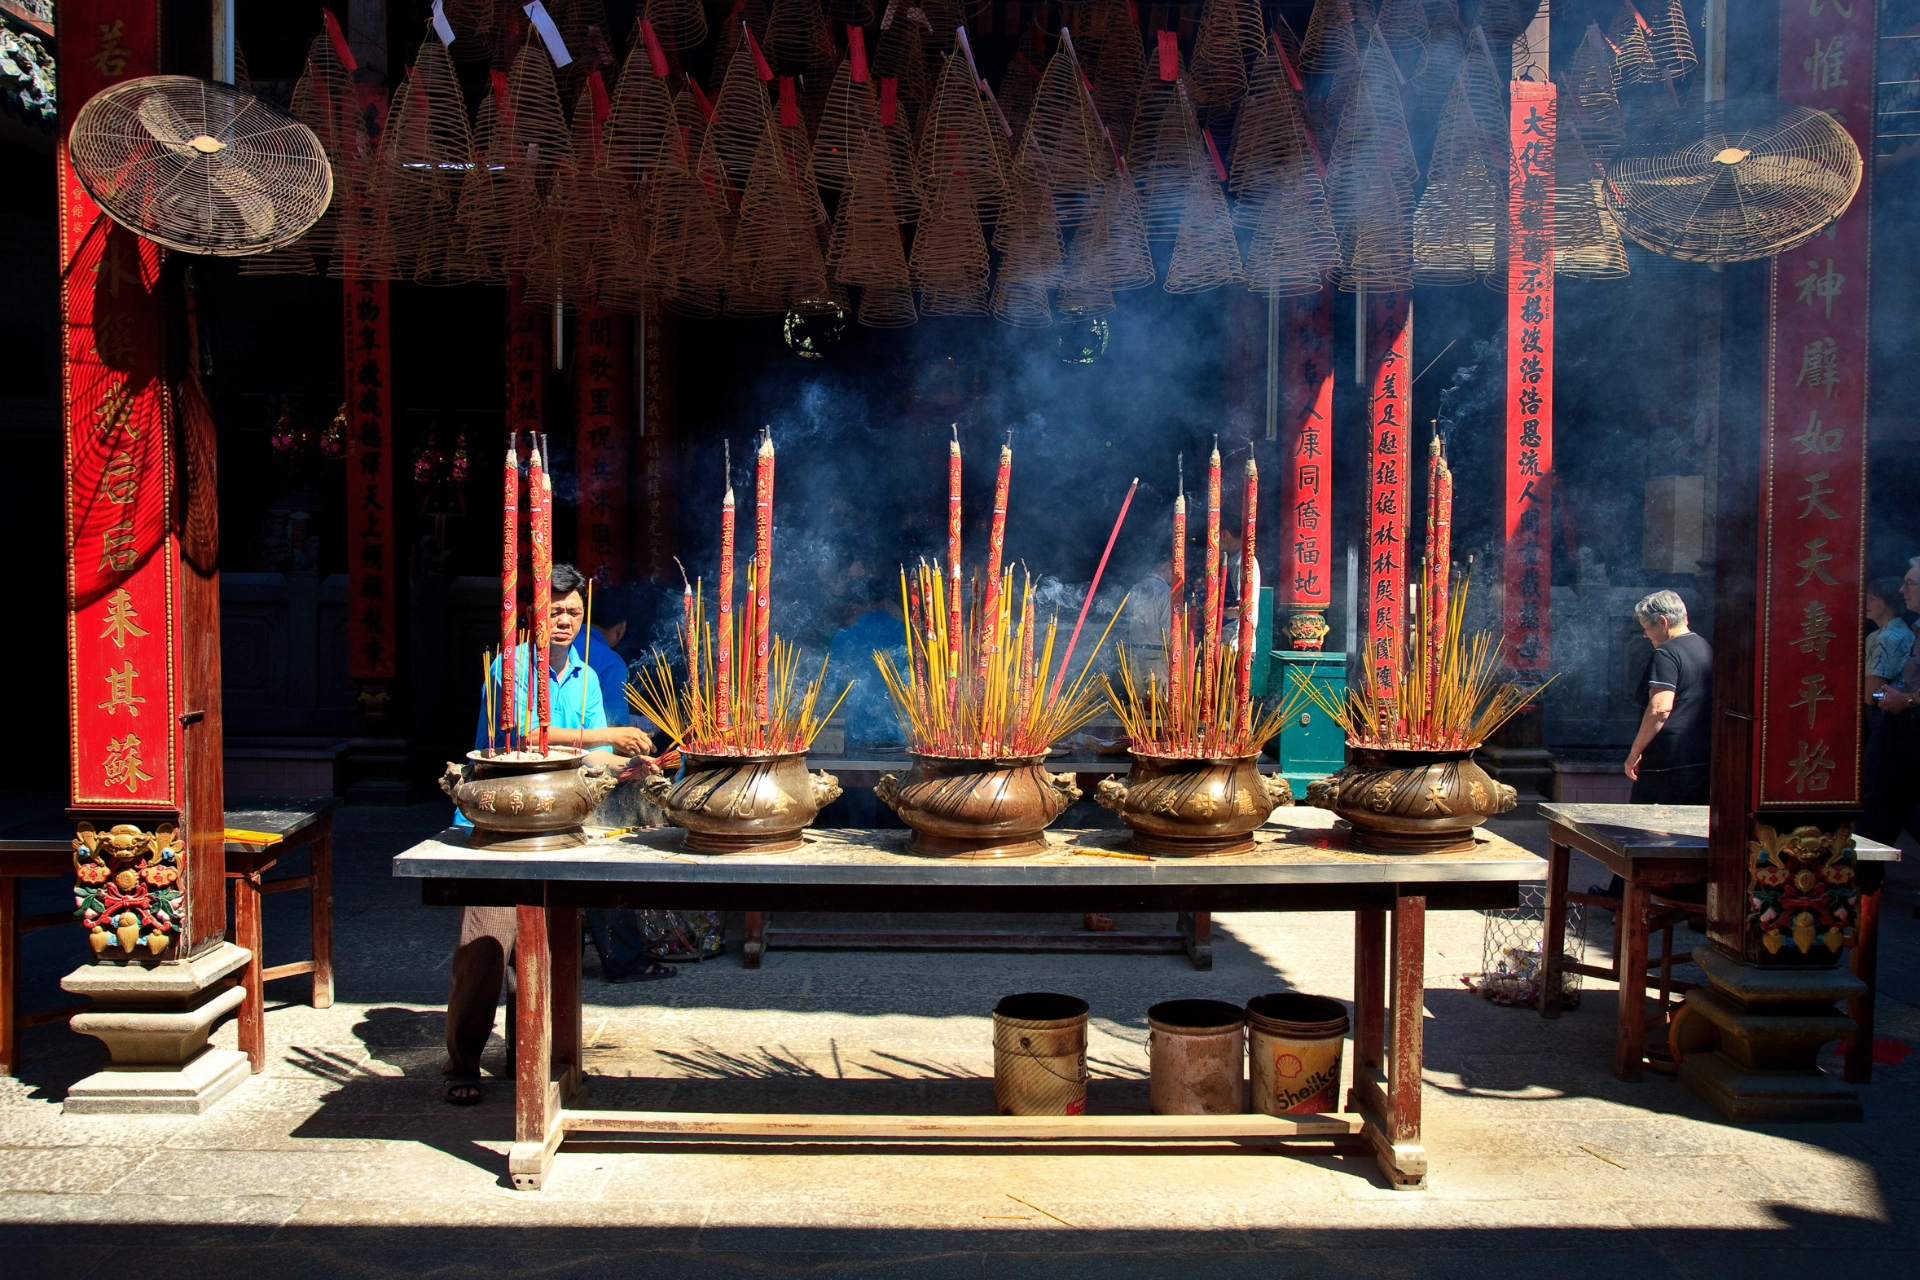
<point>1412,801</point>
<point>523,802</point>
<point>1190,806</point>
<point>964,808</point>
<point>743,803</point>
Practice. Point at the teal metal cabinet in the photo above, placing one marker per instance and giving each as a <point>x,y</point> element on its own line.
<point>1311,746</point>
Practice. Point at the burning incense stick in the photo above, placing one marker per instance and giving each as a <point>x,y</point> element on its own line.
<point>954,629</point>
<point>996,545</point>
<point>540,499</point>
<point>723,686</point>
<point>509,585</point>
<point>1210,625</point>
<point>763,570</point>
<point>1093,587</point>
<point>1249,598</point>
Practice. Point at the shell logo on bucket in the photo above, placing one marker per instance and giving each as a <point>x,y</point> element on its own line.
<point>1316,1092</point>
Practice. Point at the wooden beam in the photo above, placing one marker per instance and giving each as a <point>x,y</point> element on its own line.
<point>1137,1128</point>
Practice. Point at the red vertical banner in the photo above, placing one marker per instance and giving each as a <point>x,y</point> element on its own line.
<point>527,357</point>
<point>602,422</point>
<point>124,684</point>
<point>656,443</point>
<point>1389,409</point>
<point>1813,461</point>
<point>372,628</point>
<point>1306,482</point>
<point>1527,565</point>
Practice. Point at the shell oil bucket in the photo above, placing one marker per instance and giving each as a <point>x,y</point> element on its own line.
<point>1040,1055</point>
<point>1295,1042</point>
<point>1197,1049</point>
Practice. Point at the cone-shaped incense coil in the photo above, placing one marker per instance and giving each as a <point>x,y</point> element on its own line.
<point>1486,93</point>
<point>1590,103</point>
<point>1403,24</point>
<point>741,114</point>
<point>865,248</point>
<point>1372,141</point>
<point>1293,250</point>
<point>1166,160</point>
<point>643,112</point>
<point>596,203</point>
<point>1117,65</point>
<point>1269,137</point>
<point>1446,45</point>
<point>299,258</point>
<point>851,110</point>
<point>1586,237</point>
<point>1159,97</point>
<point>778,259</point>
<point>1505,21</point>
<point>1018,85</point>
<point>1232,33</point>
<point>798,37</point>
<point>473,29</point>
<point>1329,44</point>
<point>679,24</point>
<point>1110,250</point>
<point>959,156</point>
<point>1205,253</point>
<point>687,246</point>
<point>1455,226</point>
<point>1633,61</point>
<point>1063,146</point>
<point>732,39</point>
<point>1671,44</point>
<point>900,55</point>
<point>532,121</point>
<point>1032,257</point>
<point>426,154</point>
<point>949,264</point>
<point>1376,250</point>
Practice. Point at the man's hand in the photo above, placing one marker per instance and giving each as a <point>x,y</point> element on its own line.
<point>1894,701</point>
<point>638,768</point>
<point>1632,769</point>
<point>628,741</point>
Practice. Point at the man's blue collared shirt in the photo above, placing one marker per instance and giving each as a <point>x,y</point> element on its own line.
<point>566,709</point>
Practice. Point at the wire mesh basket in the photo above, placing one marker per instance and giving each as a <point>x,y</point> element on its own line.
<point>1510,952</point>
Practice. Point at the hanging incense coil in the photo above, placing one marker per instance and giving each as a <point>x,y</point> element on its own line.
<point>307,255</point>
<point>1403,24</point>
<point>1586,236</point>
<point>680,25</point>
<point>1294,249</point>
<point>741,115</point>
<point>851,110</point>
<point>1032,255</point>
<point>1371,143</point>
<point>798,36</point>
<point>1670,42</point>
<point>1270,136</point>
<point>1505,21</point>
<point>1232,33</point>
<point>1063,147</point>
<point>1158,97</point>
<point>1589,100</point>
<point>1376,243</point>
<point>752,16</point>
<point>536,153</point>
<point>426,155</point>
<point>598,209</point>
<point>1205,253</point>
<point>778,259</point>
<point>1109,252</point>
<point>1018,85</point>
<point>482,214</point>
<point>472,22</point>
<point>1456,224</point>
<point>687,245</point>
<point>1117,65</point>
<point>643,113</point>
<point>900,55</point>
<point>865,248</point>
<point>1329,45</point>
<point>960,154</point>
<point>1633,60</point>
<point>1446,45</point>
<point>949,263</point>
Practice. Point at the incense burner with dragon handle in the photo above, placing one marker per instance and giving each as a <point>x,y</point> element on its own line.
<point>522,802</point>
<point>743,803</point>
<point>1412,801</point>
<point>1186,807</point>
<point>965,808</point>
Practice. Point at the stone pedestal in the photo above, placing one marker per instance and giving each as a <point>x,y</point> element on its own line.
<point>155,1020</point>
<point>1771,1024</point>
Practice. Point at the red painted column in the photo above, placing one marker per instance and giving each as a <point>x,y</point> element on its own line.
<point>1527,565</point>
<point>658,413</point>
<point>1306,481</point>
<point>372,627</point>
<point>1389,332</point>
<point>603,383</point>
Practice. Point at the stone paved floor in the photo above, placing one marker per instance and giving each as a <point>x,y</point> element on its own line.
<point>341,1158</point>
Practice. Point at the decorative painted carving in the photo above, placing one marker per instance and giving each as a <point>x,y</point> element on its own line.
<point>1803,894</point>
<point>127,887</point>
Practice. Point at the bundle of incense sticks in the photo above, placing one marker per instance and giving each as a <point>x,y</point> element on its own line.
<point>975,682</point>
<point>508,728</point>
<point>1203,708</point>
<point>733,691</point>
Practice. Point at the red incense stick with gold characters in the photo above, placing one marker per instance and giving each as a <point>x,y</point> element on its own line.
<point>509,588</point>
<point>723,649</point>
<point>763,572</point>
<point>540,497</point>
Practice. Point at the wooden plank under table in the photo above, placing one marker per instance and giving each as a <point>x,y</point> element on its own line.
<point>1294,867</point>
<point>1655,847</point>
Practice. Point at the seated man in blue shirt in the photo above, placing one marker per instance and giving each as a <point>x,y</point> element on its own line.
<point>576,717</point>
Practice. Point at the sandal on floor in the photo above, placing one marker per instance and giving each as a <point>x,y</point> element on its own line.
<point>676,955</point>
<point>648,972</point>
<point>463,1091</point>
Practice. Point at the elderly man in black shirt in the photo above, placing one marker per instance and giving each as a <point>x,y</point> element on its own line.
<point>1670,755</point>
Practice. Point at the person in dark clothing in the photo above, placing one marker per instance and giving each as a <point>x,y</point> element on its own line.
<point>1892,765</point>
<point>1669,762</point>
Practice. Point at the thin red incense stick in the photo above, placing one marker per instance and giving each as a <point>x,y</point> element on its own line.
<point>1210,623</point>
<point>539,497</point>
<point>996,545</point>
<point>1087,604</point>
<point>1249,603</point>
<point>723,655</point>
<point>763,559</point>
<point>953,567</point>
<point>509,587</point>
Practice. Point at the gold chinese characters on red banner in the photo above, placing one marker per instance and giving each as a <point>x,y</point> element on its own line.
<point>1527,567</point>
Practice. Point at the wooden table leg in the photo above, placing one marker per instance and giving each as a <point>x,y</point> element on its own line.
<point>536,1095</point>
<point>1196,930</point>
<point>1629,1047</point>
<point>9,974</point>
<point>320,856</point>
<point>1369,993</point>
<point>563,944</point>
<point>755,945</point>
<point>1553,931</point>
<point>247,933</point>
<point>1865,964</point>
<point>1403,1158</point>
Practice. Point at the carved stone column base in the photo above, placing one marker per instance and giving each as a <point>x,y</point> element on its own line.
<point>155,1020</point>
<point>1770,1025</point>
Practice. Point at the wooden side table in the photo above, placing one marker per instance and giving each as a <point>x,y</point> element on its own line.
<point>27,860</point>
<point>260,832</point>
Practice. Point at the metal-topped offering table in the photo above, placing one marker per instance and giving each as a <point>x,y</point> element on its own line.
<point>1296,865</point>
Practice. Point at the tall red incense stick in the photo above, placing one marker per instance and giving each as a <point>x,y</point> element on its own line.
<point>723,655</point>
<point>1439,562</point>
<point>1210,623</point>
<point>509,589</point>
<point>763,573</point>
<point>996,545</point>
<point>1177,592</point>
<point>1249,602</point>
<point>1092,587</point>
<point>953,563</point>
<point>540,499</point>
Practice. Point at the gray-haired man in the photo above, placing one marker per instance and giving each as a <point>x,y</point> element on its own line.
<point>1670,755</point>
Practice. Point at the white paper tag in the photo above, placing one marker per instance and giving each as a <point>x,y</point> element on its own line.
<point>441,27</point>
<point>543,23</point>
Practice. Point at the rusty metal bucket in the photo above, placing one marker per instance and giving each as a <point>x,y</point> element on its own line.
<point>1197,1051</point>
<point>1040,1055</point>
<point>1295,1043</point>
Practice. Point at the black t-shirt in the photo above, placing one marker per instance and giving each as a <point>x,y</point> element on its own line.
<point>1683,664</point>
